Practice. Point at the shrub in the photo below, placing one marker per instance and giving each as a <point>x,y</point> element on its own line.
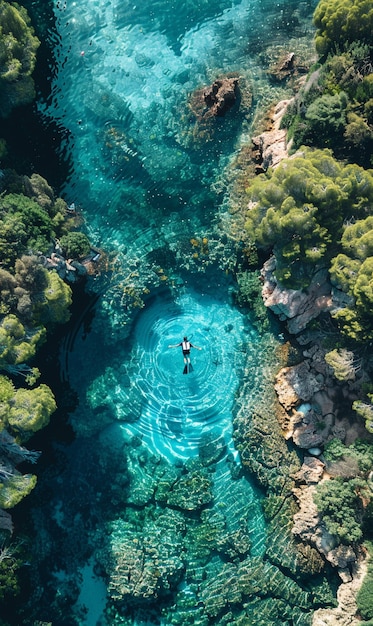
<point>75,245</point>
<point>364,598</point>
<point>340,506</point>
<point>18,46</point>
<point>299,210</point>
<point>341,22</point>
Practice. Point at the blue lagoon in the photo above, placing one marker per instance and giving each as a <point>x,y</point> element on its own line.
<point>153,517</point>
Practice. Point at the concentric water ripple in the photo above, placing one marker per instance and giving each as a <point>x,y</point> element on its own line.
<point>178,410</point>
<point>138,384</point>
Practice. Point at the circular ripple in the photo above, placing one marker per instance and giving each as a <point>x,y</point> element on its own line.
<point>178,411</point>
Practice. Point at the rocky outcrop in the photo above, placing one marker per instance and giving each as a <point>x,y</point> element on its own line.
<point>346,613</point>
<point>296,307</point>
<point>287,66</point>
<point>270,147</point>
<point>296,384</point>
<point>309,528</point>
<point>216,99</point>
<point>220,96</point>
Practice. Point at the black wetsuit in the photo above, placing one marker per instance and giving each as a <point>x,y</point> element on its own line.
<point>186,345</point>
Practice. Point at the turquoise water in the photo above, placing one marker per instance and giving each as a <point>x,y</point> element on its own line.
<point>154,519</point>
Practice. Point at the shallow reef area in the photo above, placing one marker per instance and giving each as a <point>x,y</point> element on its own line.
<point>173,502</point>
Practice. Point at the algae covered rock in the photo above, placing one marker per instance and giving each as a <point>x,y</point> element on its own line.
<point>144,564</point>
<point>189,491</point>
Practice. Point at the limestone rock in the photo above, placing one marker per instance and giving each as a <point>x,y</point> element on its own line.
<point>346,613</point>
<point>310,472</point>
<point>296,384</point>
<point>297,307</point>
<point>270,147</point>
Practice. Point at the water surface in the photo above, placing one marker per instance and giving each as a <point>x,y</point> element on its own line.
<point>152,512</point>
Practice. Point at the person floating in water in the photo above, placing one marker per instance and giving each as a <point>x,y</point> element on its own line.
<point>186,346</point>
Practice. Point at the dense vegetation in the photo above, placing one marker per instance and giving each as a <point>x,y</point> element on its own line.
<point>334,109</point>
<point>18,47</point>
<point>33,296</point>
<point>314,213</point>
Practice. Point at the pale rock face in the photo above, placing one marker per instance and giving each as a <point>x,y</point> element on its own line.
<point>311,471</point>
<point>309,527</point>
<point>271,146</point>
<point>296,384</point>
<point>296,306</point>
<point>346,613</point>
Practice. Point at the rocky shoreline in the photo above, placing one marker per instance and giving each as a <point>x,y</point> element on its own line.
<point>311,408</point>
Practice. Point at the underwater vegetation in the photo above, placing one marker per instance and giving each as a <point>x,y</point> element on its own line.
<point>189,520</point>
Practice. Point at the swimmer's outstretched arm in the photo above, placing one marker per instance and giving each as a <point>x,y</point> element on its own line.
<point>196,347</point>
<point>177,345</point>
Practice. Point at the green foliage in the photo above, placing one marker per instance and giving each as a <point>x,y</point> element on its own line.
<point>340,22</point>
<point>364,598</point>
<point>340,506</point>
<point>10,562</point>
<point>18,47</point>
<point>250,295</point>
<point>24,227</point>
<point>7,391</point>
<point>25,411</point>
<point>15,488</point>
<point>335,106</point>
<point>358,133</point>
<point>31,409</point>
<point>16,343</point>
<point>361,451</point>
<point>326,118</point>
<point>20,290</point>
<point>57,300</point>
<point>299,210</point>
<point>351,271</point>
<point>365,410</point>
<point>75,245</point>
<point>342,363</point>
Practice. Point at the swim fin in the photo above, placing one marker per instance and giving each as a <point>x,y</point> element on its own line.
<point>190,367</point>
<point>185,370</point>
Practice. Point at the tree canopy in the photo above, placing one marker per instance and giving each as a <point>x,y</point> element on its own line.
<point>18,46</point>
<point>340,504</point>
<point>341,22</point>
<point>300,209</point>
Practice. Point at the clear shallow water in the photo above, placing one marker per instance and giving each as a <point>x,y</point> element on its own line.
<point>143,386</point>
<point>153,470</point>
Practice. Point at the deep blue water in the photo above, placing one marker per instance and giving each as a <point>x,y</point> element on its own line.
<point>151,186</point>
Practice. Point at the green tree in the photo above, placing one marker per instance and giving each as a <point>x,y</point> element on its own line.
<point>339,503</point>
<point>75,245</point>
<point>341,22</point>
<point>326,117</point>
<point>18,46</point>
<point>343,363</point>
<point>24,227</point>
<point>15,488</point>
<point>365,410</point>
<point>31,409</point>
<point>17,344</point>
<point>57,300</point>
<point>299,210</point>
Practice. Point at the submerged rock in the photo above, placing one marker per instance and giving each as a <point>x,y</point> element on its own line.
<point>216,99</point>
<point>144,565</point>
<point>188,490</point>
